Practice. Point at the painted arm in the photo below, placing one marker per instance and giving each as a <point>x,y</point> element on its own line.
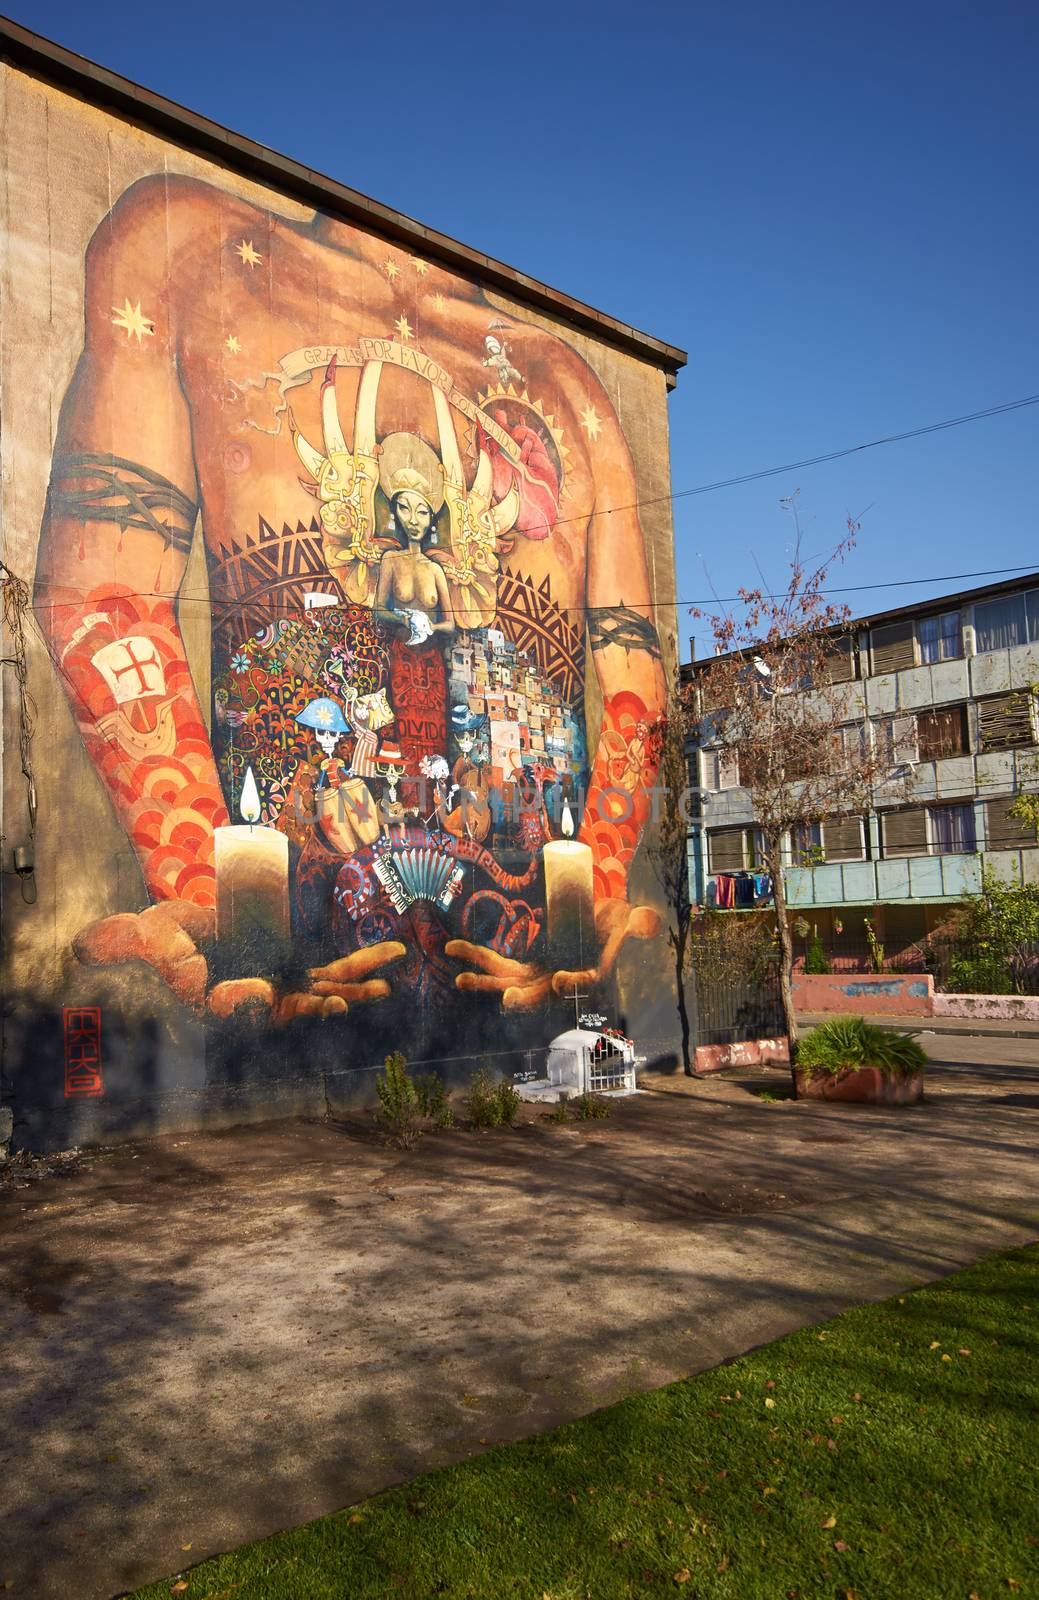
<point>117,530</point>
<point>625,648</point>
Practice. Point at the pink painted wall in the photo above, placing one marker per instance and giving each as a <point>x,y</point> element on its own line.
<point>866,995</point>
<point>744,1053</point>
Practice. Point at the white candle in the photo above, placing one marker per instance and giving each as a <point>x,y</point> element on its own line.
<point>252,880</point>
<point>569,903</point>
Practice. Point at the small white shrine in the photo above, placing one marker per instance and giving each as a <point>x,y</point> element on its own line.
<point>585,1061</point>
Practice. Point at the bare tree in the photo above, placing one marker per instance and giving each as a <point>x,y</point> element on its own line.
<point>780,698</point>
<point>668,854</point>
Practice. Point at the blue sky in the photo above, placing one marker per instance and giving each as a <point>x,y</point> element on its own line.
<point>831,207</point>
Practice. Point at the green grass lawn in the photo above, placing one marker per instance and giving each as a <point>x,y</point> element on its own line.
<point>892,1452</point>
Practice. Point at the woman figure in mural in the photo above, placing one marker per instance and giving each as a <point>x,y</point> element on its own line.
<point>413,601</point>
<point>167,420</point>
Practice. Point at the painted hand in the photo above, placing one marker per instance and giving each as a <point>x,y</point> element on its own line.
<point>524,985</point>
<point>168,937</point>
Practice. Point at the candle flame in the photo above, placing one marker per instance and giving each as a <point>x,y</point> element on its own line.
<point>567,821</point>
<point>249,800</point>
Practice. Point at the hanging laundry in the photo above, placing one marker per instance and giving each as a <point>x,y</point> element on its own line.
<point>724,891</point>
<point>744,890</point>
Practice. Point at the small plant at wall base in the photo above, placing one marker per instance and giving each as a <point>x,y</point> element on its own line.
<point>398,1102</point>
<point>488,1105</point>
<point>590,1107</point>
<point>432,1101</point>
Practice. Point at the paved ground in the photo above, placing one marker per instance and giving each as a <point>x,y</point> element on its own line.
<point>980,1027</point>
<point>210,1337</point>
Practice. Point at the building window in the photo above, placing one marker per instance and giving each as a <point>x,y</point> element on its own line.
<point>844,839</point>
<point>929,830</point>
<point>853,741</point>
<point>720,769</point>
<point>952,829</point>
<point>892,646</point>
<point>940,638</point>
<point>1001,624</point>
<point>840,839</point>
<point>806,844</point>
<point>942,734</point>
<point>733,849</point>
<point>1004,832</point>
<point>896,741</point>
<point>1006,721</point>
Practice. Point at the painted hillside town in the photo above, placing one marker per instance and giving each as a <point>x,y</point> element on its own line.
<point>519,834</point>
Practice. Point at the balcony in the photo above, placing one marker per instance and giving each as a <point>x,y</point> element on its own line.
<point>931,877</point>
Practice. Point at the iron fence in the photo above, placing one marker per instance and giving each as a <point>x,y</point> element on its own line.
<point>734,1007</point>
<point>957,964</point>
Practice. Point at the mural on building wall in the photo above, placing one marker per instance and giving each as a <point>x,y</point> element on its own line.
<point>420,526</point>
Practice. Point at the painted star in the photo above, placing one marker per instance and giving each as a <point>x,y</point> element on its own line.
<point>133,320</point>
<point>439,302</point>
<point>403,327</point>
<point>591,422</point>
<point>250,257</point>
<point>391,270</point>
<point>421,267</point>
<point>232,344</point>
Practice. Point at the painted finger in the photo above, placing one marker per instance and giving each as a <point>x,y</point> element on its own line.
<point>527,996</point>
<point>187,977</point>
<point>228,997</point>
<point>299,1005</point>
<point>563,982</point>
<point>644,923</point>
<point>481,983</point>
<point>361,962</point>
<point>374,989</point>
<point>111,940</point>
<point>488,960</point>
<point>198,922</point>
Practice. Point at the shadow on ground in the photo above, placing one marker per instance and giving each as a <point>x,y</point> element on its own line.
<point>212,1336</point>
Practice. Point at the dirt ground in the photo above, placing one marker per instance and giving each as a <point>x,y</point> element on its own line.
<point>212,1336</point>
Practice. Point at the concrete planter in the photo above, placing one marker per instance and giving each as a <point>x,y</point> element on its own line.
<point>865,1085</point>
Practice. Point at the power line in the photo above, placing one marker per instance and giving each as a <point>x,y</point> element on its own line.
<point>640,605</point>
<point>872,444</point>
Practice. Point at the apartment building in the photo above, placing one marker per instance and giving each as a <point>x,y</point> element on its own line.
<point>949,688</point>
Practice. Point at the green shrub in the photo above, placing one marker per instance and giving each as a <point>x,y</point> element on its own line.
<point>432,1101</point>
<point>815,959</point>
<point>845,1042</point>
<point>398,1102</point>
<point>986,973</point>
<point>488,1105</point>
<point>558,1112</point>
<point>589,1107</point>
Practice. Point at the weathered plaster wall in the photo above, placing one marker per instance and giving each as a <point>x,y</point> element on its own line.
<point>866,995</point>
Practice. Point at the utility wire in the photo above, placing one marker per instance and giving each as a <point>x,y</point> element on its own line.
<point>640,605</point>
<point>872,444</point>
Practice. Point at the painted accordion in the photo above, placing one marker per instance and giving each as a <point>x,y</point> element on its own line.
<point>418,872</point>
